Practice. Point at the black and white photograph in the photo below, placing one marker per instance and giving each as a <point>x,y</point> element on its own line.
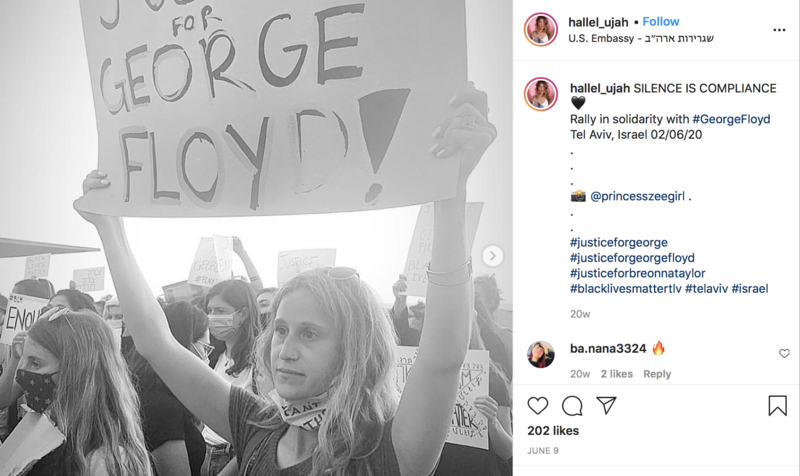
<point>256,238</point>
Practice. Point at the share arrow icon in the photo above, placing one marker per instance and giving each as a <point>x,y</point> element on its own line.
<point>607,402</point>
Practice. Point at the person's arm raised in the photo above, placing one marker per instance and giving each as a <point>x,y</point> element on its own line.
<point>252,273</point>
<point>423,416</point>
<point>196,385</point>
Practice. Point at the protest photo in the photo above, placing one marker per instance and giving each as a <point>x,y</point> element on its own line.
<point>260,246</point>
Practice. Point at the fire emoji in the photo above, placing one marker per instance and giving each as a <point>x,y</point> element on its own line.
<point>658,349</point>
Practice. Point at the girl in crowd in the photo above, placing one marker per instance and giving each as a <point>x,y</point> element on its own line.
<point>540,98</point>
<point>170,431</point>
<point>70,369</point>
<point>40,288</point>
<point>540,34</point>
<point>330,349</point>
<point>235,321</point>
<point>264,299</point>
<point>73,299</point>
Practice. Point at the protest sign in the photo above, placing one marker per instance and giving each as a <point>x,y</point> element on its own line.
<point>33,439</point>
<point>182,291</point>
<point>213,261</point>
<point>419,253</point>
<point>21,313</point>
<point>292,263</point>
<point>37,266</point>
<point>221,108</point>
<point>90,279</point>
<point>468,427</point>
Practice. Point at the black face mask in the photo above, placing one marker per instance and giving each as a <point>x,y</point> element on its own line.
<point>39,389</point>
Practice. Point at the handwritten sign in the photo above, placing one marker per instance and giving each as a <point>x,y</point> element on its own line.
<point>419,253</point>
<point>90,279</point>
<point>221,108</point>
<point>212,262</point>
<point>22,312</point>
<point>468,427</point>
<point>34,438</point>
<point>292,263</point>
<point>182,291</point>
<point>37,266</point>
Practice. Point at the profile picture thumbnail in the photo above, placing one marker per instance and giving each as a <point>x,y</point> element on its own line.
<point>541,29</point>
<point>541,94</point>
<point>541,354</point>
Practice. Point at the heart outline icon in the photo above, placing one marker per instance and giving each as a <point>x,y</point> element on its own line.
<point>538,403</point>
<point>784,353</point>
<point>578,102</point>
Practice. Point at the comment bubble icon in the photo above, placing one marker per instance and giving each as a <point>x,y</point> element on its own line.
<point>572,406</point>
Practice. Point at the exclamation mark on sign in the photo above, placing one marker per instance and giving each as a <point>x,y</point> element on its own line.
<point>380,114</point>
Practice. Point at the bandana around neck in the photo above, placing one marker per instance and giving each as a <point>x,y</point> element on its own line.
<point>306,414</point>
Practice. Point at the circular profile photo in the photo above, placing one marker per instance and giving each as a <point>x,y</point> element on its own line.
<point>541,29</point>
<point>541,354</point>
<point>541,94</point>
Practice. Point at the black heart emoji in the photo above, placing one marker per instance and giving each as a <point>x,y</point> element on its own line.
<point>578,102</point>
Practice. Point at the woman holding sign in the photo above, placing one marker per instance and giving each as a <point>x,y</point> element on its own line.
<point>330,348</point>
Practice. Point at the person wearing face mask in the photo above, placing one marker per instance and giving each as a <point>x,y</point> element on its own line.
<point>40,288</point>
<point>171,432</point>
<point>112,313</point>
<point>330,348</point>
<point>233,319</point>
<point>69,370</point>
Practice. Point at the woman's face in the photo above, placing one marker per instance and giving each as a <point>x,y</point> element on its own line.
<point>264,301</point>
<point>537,352</point>
<point>219,307</point>
<point>540,89</point>
<point>305,347</point>
<point>541,23</point>
<point>37,359</point>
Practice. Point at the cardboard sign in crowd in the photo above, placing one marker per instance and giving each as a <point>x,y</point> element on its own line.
<point>89,279</point>
<point>421,249</point>
<point>213,261</point>
<point>21,313</point>
<point>221,108</point>
<point>292,263</point>
<point>468,426</point>
<point>37,266</point>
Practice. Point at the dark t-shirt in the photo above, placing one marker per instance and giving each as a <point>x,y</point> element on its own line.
<point>244,408</point>
<point>164,419</point>
<point>458,460</point>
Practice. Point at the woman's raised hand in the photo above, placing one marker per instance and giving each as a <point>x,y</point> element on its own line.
<point>467,130</point>
<point>96,179</point>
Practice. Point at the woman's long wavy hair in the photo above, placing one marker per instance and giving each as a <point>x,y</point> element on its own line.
<point>546,27</point>
<point>95,404</point>
<point>363,394</point>
<point>546,91</point>
<point>240,296</point>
